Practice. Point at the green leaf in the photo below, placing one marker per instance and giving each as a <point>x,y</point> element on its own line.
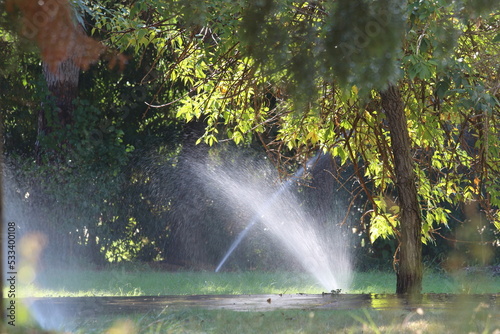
<point>442,88</point>
<point>340,152</point>
<point>425,44</point>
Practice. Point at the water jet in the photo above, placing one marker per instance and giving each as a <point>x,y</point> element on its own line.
<point>267,206</point>
<point>322,250</point>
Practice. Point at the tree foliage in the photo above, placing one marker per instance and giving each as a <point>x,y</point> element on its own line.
<point>302,75</point>
<point>298,76</point>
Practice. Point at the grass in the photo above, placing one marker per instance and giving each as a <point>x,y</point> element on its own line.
<point>306,321</point>
<point>137,283</point>
<point>141,281</point>
<point>477,320</point>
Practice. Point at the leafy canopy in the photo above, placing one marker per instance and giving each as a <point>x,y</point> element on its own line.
<point>303,75</point>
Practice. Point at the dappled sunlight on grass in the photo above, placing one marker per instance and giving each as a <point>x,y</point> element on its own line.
<point>117,282</point>
<point>129,283</point>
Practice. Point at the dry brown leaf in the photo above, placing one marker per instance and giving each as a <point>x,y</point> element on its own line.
<point>51,25</point>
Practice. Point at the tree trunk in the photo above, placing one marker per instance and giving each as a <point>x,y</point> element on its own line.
<point>409,269</point>
<point>63,87</point>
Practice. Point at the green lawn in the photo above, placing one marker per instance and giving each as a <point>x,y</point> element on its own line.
<point>139,281</point>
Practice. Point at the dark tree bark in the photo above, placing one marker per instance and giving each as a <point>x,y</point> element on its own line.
<point>409,269</point>
<point>63,87</point>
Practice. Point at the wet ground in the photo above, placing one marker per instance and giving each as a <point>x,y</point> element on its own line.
<point>98,306</point>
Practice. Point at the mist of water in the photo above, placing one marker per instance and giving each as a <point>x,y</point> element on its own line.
<point>28,246</point>
<point>267,206</point>
<point>322,249</point>
<point>252,188</point>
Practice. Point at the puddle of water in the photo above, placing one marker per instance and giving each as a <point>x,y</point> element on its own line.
<point>97,306</point>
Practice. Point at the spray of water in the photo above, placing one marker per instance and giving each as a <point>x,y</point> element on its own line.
<point>322,250</point>
<point>29,245</point>
<point>256,217</point>
<point>250,187</point>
